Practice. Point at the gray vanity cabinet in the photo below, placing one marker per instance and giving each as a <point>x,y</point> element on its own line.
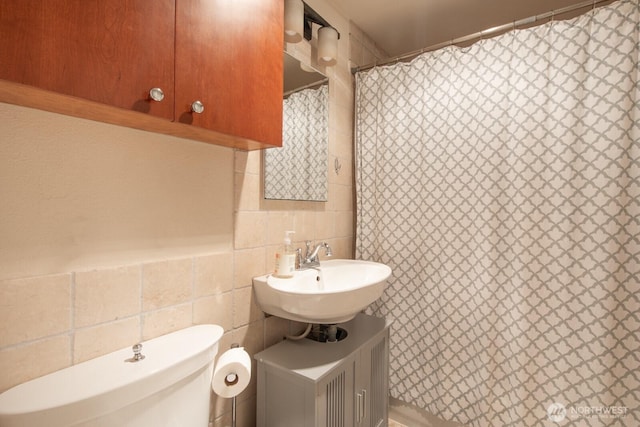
<point>310,384</point>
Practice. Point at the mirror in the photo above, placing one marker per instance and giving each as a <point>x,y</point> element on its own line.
<point>298,169</point>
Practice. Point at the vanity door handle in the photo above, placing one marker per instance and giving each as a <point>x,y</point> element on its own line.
<point>364,404</point>
<point>361,406</point>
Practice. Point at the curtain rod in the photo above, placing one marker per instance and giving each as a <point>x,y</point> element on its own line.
<point>483,33</point>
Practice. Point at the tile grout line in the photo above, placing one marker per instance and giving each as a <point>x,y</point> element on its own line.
<point>72,318</point>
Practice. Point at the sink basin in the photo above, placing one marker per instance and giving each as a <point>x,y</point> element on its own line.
<point>332,293</point>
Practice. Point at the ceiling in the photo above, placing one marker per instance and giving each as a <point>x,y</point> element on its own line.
<point>403,26</point>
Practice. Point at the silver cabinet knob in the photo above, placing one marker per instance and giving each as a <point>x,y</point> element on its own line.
<point>156,94</point>
<point>197,107</point>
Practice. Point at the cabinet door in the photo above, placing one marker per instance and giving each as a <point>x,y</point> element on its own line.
<point>372,383</point>
<point>229,57</point>
<point>335,396</point>
<point>112,52</point>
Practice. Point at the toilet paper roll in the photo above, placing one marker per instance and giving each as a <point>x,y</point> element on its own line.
<point>232,373</point>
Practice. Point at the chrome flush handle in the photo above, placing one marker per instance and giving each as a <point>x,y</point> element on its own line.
<point>137,354</point>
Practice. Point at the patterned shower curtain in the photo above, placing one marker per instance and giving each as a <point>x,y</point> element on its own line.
<point>501,182</point>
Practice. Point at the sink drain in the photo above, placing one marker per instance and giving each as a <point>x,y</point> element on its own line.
<point>327,333</point>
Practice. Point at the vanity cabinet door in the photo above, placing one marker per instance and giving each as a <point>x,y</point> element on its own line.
<point>229,58</point>
<point>112,52</point>
<point>372,383</point>
<point>335,395</point>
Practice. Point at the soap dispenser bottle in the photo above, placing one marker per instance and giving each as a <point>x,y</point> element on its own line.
<point>285,258</point>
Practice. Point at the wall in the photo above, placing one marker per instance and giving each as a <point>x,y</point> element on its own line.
<point>112,235</point>
<point>363,50</point>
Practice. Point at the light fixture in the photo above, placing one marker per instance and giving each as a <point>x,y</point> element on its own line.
<point>298,19</point>
<point>293,20</point>
<point>327,46</point>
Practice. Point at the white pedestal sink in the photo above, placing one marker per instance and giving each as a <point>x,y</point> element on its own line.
<point>332,293</point>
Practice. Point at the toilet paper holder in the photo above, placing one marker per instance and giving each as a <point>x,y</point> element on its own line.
<point>230,380</point>
<point>231,375</point>
<point>233,399</point>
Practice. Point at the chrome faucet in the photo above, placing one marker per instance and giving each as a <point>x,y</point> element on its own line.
<point>310,259</point>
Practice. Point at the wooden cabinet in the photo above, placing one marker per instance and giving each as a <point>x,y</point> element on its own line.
<point>112,52</point>
<point>84,57</point>
<point>312,384</point>
<point>227,54</point>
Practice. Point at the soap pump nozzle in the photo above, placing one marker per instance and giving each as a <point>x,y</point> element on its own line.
<point>287,237</point>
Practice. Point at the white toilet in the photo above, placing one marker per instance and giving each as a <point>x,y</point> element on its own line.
<point>169,386</point>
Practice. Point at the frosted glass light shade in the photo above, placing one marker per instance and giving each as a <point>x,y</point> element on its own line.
<point>327,46</point>
<point>293,20</point>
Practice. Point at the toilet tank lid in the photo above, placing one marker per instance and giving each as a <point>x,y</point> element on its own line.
<point>167,359</point>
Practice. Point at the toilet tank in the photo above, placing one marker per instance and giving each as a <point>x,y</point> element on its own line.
<point>170,387</point>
